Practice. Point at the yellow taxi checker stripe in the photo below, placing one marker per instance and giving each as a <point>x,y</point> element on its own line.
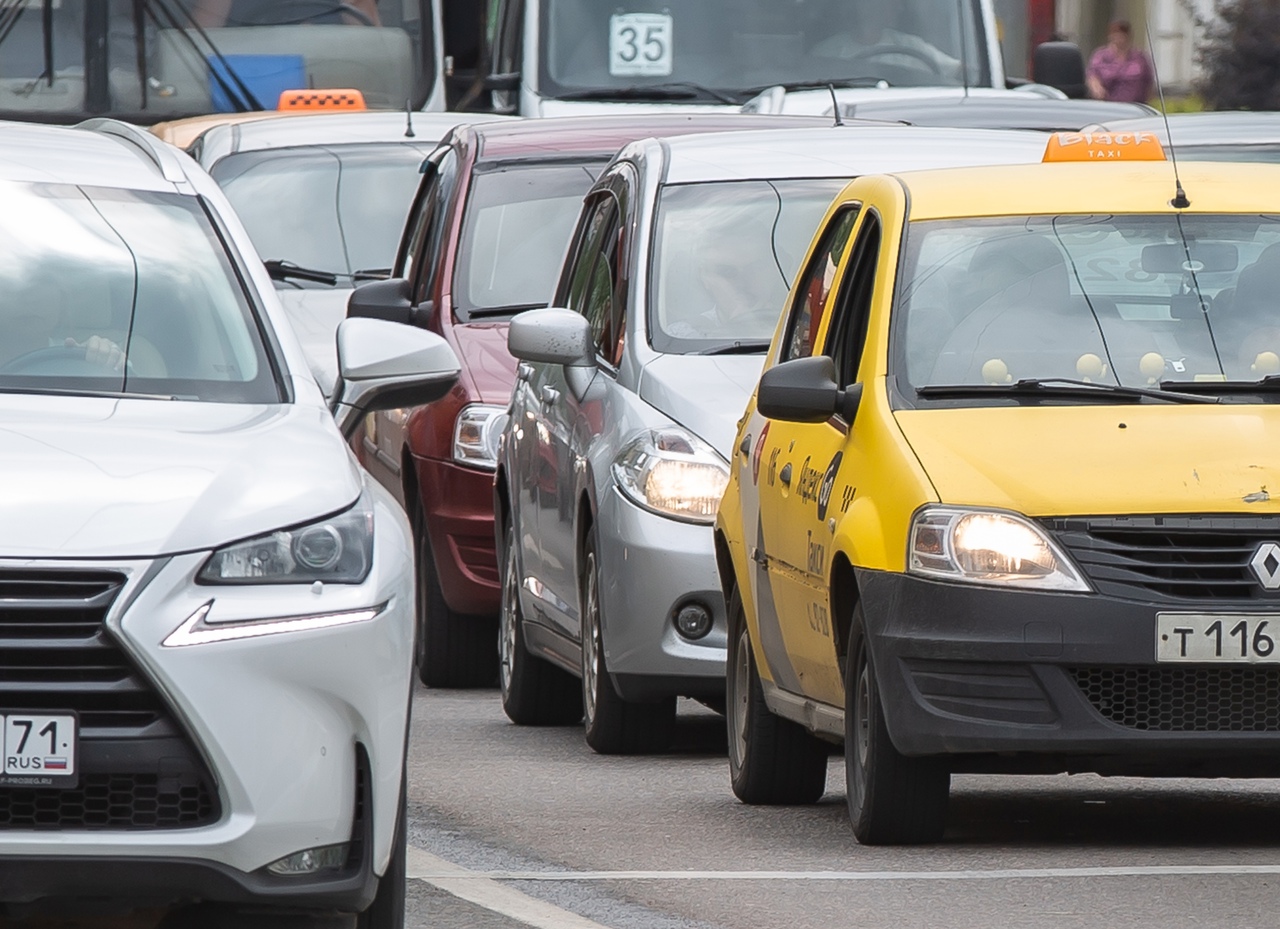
<point>1104,146</point>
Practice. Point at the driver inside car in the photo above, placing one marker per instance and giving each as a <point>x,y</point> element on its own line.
<point>30,321</point>
<point>871,37</point>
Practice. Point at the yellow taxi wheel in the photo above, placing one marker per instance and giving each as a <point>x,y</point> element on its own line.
<point>772,761</point>
<point>613,726</point>
<point>534,692</point>
<point>893,799</point>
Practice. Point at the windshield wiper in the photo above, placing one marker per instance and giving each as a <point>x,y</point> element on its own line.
<point>1057,387</point>
<point>741,347</point>
<point>510,309</point>
<point>76,392</point>
<point>1265,385</point>
<point>281,270</point>
<point>864,81</point>
<point>674,90</point>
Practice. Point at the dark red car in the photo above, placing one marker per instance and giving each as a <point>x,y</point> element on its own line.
<point>484,240</point>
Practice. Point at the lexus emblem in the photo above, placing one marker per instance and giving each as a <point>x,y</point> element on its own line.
<point>1266,565</point>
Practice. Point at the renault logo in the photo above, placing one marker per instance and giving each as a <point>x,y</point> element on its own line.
<point>1266,565</point>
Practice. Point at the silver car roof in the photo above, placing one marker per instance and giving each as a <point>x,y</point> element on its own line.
<point>1227,127</point>
<point>116,156</point>
<point>330,129</point>
<point>841,151</point>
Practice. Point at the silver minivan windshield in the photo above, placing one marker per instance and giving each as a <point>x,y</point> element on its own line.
<point>702,49</point>
<point>107,291</point>
<point>724,257</point>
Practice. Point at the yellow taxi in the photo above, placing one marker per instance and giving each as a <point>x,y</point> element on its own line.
<point>1007,496</point>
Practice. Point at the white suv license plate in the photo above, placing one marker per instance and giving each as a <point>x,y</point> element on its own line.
<point>39,750</point>
<point>1218,638</point>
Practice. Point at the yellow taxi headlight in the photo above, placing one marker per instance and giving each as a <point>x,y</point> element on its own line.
<point>673,473</point>
<point>985,547</point>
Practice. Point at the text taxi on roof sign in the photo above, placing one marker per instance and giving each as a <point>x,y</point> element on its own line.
<point>1012,511</point>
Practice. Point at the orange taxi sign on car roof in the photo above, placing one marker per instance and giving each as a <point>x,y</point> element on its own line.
<point>1104,146</point>
<point>331,100</point>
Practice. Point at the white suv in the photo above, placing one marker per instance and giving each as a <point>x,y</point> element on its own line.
<point>206,609</point>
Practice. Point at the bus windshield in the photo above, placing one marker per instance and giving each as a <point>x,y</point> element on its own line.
<point>152,60</point>
<point>735,48</point>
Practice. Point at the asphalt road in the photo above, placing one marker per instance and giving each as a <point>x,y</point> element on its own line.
<point>508,804</point>
<point>513,827</point>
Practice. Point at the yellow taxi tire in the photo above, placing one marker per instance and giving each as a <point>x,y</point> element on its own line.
<point>534,691</point>
<point>893,799</point>
<point>613,726</point>
<point>772,761</point>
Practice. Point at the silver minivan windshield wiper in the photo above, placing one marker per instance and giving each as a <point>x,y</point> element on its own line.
<point>1059,387</point>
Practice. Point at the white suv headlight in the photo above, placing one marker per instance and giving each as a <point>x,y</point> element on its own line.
<point>336,550</point>
<point>985,547</point>
<point>674,473</point>
<point>476,432</point>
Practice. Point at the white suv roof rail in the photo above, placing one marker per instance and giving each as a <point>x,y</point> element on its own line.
<point>164,156</point>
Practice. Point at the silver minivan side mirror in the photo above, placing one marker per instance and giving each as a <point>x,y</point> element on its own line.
<point>552,335</point>
<point>384,365</point>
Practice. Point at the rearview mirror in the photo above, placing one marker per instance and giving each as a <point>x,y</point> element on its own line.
<point>389,300</point>
<point>1206,257</point>
<point>804,390</point>
<point>384,365</point>
<point>552,335</point>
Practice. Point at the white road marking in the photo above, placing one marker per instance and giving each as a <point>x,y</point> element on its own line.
<point>475,887</point>
<point>996,874</point>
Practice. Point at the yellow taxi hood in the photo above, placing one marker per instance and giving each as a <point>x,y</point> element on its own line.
<point>1102,460</point>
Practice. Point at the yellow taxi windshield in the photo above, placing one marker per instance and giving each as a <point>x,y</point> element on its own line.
<point>1132,300</point>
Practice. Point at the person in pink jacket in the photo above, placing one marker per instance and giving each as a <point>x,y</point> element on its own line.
<point>1118,71</point>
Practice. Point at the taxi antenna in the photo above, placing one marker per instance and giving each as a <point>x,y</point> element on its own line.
<point>964,50</point>
<point>408,119</point>
<point>1179,201</point>
<point>835,104</point>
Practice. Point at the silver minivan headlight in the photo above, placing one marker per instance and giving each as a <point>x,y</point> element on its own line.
<point>336,550</point>
<point>673,473</point>
<point>988,547</point>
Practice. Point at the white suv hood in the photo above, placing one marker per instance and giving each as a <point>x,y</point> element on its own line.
<point>103,478</point>
<point>704,393</point>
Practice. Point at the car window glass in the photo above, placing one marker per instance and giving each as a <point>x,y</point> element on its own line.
<point>846,336</point>
<point>123,291</point>
<point>334,208</point>
<point>600,299</point>
<point>724,257</point>
<point>517,226</point>
<point>586,249</point>
<point>437,229</point>
<point>815,286</point>
<point>1121,299</point>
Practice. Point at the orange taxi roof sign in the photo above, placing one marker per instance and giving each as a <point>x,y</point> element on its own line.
<point>1104,146</point>
<point>332,100</point>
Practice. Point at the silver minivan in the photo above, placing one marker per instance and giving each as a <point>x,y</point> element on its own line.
<point>617,447</point>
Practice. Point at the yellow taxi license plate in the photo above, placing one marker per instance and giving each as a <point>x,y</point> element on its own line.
<point>39,750</point>
<point>1217,638</point>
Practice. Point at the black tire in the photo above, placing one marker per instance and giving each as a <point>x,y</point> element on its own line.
<point>387,909</point>
<point>613,726</point>
<point>534,692</point>
<point>454,649</point>
<point>893,799</point>
<point>772,761</point>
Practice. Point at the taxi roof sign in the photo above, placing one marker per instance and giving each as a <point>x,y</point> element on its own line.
<point>1104,146</point>
<point>331,100</point>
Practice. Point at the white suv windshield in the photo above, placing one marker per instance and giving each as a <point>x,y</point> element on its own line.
<point>700,48</point>
<point>1134,301</point>
<point>120,291</point>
